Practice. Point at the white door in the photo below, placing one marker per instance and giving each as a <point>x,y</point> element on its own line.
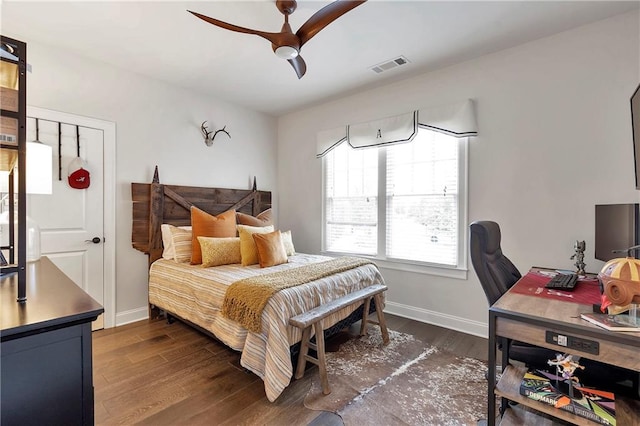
<point>72,221</point>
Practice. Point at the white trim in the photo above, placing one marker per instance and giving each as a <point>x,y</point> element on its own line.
<point>109,131</point>
<point>422,268</point>
<point>132,315</point>
<point>463,325</point>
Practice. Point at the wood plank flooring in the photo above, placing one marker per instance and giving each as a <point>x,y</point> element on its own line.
<point>155,373</point>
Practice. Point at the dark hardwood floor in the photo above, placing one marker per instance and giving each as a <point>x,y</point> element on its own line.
<point>155,373</point>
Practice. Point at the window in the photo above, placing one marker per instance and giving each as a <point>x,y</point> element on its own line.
<point>422,216</point>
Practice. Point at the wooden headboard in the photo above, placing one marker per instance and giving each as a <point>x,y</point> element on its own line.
<point>155,204</point>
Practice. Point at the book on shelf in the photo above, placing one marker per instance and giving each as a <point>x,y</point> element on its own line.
<point>612,322</point>
<point>547,388</point>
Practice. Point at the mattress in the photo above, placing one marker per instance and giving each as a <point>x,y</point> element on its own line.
<point>196,294</point>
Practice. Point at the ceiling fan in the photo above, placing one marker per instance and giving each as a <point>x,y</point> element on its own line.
<point>286,44</point>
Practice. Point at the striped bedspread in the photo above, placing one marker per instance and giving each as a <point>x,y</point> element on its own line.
<point>196,294</point>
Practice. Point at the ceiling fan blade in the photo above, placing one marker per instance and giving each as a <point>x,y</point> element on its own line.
<point>272,37</point>
<point>324,17</point>
<point>298,65</point>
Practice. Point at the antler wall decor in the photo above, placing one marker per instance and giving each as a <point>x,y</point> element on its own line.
<point>210,136</point>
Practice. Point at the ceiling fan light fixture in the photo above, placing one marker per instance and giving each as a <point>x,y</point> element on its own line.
<point>286,52</point>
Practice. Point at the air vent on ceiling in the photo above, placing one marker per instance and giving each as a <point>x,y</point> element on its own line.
<point>393,63</point>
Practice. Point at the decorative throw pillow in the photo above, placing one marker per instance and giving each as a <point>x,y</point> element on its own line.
<point>168,252</point>
<point>270,249</point>
<point>219,251</point>
<point>287,242</point>
<point>248,249</point>
<point>177,242</point>
<point>205,225</point>
<point>263,219</point>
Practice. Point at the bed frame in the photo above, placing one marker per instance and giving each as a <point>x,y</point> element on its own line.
<point>155,204</point>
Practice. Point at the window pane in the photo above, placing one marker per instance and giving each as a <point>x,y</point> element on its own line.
<point>351,190</point>
<point>422,199</point>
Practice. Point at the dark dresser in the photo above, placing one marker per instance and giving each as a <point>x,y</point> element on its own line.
<point>46,365</point>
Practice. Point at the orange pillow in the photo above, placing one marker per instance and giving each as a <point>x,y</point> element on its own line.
<point>271,251</point>
<point>263,219</point>
<point>205,225</point>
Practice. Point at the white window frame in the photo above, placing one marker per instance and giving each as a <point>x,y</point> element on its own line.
<point>460,270</point>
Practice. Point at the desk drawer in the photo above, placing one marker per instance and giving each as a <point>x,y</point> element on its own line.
<point>611,352</point>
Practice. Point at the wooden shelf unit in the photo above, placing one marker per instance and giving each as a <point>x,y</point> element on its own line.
<point>13,156</point>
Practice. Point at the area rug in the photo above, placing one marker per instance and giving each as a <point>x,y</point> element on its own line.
<point>406,382</point>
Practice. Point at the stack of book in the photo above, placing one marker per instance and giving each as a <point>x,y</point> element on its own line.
<point>592,404</point>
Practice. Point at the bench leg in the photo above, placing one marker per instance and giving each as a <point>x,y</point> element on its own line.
<point>365,316</point>
<point>322,363</point>
<point>304,350</point>
<point>381,321</point>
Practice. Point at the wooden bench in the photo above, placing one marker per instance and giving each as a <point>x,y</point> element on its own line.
<point>314,317</point>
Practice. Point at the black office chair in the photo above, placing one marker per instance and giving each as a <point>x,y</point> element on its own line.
<point>497,274</point>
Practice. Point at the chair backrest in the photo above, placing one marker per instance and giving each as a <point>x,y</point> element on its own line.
<point>496,272</point>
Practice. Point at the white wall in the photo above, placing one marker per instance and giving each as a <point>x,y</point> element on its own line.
<point>554,140</point>
<point>156,124</point>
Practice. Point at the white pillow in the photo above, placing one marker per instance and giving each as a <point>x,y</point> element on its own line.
<point>177,242</point>
<point>287,242</point>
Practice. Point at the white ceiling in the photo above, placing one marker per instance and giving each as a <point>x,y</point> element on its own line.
<point>162,40</point>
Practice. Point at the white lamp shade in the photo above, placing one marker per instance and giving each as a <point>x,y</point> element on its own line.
<point>39,170</point>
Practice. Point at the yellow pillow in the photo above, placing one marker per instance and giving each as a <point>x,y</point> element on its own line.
<point>270,249</point>
<point>219,251</point>
<point>287,242</point>
<point>205,225</point>
<point>248,249</point>
<point>263,219</point>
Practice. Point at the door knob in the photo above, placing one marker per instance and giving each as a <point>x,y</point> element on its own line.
<point>94,240</point>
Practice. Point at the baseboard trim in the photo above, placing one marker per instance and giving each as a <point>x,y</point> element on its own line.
<point>463,325</point>
<point>132,315</point>
<point>423,315</point>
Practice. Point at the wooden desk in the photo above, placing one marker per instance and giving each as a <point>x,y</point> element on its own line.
<point>46,364</point>
<point>531,319</point>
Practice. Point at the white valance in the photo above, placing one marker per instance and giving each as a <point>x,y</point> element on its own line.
<point>329,139</point>
<point>401,128</point>
<point>457,120</point>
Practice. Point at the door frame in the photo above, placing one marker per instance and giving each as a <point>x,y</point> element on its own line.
<point>108,129</point>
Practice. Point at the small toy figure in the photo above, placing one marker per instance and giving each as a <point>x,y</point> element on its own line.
<point>566,367</point>
<point>579,247</point>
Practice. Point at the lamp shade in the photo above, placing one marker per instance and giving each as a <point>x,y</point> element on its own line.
<point>39,170</point>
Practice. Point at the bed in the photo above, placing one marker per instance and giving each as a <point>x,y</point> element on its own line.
<point>195,294</point>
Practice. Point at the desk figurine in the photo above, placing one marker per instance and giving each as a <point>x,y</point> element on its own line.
<point>565,368</point>
<point>579,247</point>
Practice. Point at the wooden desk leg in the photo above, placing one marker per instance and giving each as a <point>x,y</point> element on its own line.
<point>491,377</point>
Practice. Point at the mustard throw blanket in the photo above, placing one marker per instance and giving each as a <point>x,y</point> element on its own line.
<point>245,300</point>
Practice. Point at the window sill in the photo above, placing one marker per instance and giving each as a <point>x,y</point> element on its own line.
<point>416,268</point>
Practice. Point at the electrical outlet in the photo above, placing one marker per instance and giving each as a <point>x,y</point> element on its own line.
<point>572,342</point>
